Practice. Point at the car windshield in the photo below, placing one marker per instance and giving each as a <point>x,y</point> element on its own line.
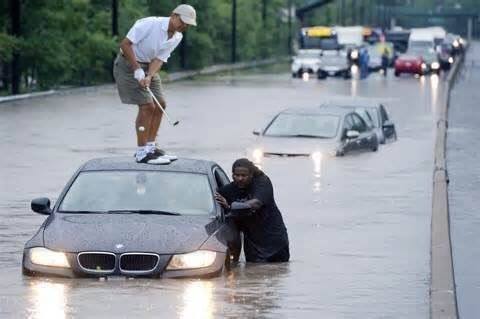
<point>420,46</point>
<point>304,125</point>
<point>139,191</point>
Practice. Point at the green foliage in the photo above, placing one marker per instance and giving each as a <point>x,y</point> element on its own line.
<point>7,46</point>
<point>70,42</point>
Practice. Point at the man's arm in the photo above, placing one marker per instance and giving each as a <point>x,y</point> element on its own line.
<point>126,46</point>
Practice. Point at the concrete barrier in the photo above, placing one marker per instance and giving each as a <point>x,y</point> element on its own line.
<point>443,301</point>
<point>170,77</point>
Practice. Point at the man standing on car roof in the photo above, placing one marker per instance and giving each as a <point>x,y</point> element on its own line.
<point>250,202</point>
<point>143,51</point>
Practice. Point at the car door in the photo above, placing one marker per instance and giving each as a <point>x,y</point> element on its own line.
<point>387,125</point>
<point>364,139</point>
<point>229,229</point>
<point>350,144</point>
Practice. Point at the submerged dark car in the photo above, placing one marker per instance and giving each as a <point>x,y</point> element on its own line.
<point>119,218</point>
<point>376,116</point>
<point>314,132</point>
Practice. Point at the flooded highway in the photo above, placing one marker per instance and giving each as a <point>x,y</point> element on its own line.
<point>359,227</point>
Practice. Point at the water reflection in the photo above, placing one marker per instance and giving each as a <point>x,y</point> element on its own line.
<point>198,300</point>
<point>305,76</point>
<point>47,299</point>
<point>353,87</point>
<point>255,290</point>
<point>434,91</point>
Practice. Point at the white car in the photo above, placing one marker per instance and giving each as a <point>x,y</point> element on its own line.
<point>306,61</point>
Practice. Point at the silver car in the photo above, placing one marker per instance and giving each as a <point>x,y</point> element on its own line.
<point>314,132</point>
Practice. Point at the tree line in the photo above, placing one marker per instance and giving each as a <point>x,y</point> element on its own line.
<point>51,43</point>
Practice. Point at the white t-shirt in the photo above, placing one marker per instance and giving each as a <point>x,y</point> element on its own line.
<point>150,39</point>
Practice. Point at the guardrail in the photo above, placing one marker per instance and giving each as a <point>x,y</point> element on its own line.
<point>443,300</point>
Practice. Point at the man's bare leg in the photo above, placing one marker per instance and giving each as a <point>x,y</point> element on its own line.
<point>143,123</point>
<point>156,120</point>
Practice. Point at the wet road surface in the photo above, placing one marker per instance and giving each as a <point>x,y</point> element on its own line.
<point>359,229</point>
<point>464,171</point>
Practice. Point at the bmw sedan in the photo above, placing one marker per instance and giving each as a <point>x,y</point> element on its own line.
<point>314,132</point>
<point>119,218</point>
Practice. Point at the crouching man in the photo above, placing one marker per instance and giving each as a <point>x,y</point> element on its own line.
<point>250,203</point>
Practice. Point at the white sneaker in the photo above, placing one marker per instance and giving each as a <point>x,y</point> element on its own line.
<point>161,153</point>
<point>151,158</point>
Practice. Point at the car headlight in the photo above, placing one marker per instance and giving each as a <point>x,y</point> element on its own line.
<point>46,257</point>
<point>450,60</point>
<point>354,54</point>
<point>435,65</point>
<point>456,44</point>
<point>424,66</point>
<point>257,155</point>
<point>197,259</point>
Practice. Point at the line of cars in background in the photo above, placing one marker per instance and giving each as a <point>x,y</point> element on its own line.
<point>337,51</point>
<point>331,129</point>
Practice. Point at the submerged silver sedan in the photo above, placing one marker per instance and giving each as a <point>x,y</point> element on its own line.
<point>314,132</point>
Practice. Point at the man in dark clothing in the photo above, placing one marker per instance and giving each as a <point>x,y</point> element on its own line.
<point>250,202</point>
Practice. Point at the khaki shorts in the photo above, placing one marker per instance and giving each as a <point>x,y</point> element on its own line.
<point>128,87</point>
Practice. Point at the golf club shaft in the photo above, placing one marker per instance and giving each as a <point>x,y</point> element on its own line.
<point>160,106</point>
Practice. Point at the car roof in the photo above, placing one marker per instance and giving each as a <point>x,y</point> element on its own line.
<point>128,164</point>
<point>327,110</point>
<point>352,105</point>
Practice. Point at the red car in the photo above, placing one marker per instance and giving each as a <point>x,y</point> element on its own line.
<point>412,64</point>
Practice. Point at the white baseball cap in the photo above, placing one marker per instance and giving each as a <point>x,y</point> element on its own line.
<point>187,14</point>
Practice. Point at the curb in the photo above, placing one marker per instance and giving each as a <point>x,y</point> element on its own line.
<point>171,77</point>
<point>443,300</point>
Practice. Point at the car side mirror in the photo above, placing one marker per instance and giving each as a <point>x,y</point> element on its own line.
<point>41,206</point>
<point>256,132</point>
<point>388,124</point>
<point>353,134</point>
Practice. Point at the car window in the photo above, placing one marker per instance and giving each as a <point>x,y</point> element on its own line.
<point>349,124</point>
<point>383,113</point>
<point>315,125</point>
<point>366,116</point>
<point>359,124</point>
<point>183,193</point>
<point>220,177</point>
<point>372,111</point>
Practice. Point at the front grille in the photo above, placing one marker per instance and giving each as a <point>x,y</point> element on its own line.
<point>138,262</point>
<point>97,261</point>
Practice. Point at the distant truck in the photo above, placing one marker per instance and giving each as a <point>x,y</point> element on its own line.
<point>351,38</point>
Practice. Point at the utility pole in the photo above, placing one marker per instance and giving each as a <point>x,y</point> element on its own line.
<point>289,38</point>
<point>264,13</point>
<point>15,12</point>
<point>114,17</point>
<point>234,31</point>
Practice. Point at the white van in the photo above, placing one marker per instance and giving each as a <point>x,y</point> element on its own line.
<point>421,40</point>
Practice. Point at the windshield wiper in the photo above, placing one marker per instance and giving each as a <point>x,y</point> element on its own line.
<point>142,211</point>
<point>81,212</point>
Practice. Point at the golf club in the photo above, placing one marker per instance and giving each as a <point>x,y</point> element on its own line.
<point>173,123</point>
